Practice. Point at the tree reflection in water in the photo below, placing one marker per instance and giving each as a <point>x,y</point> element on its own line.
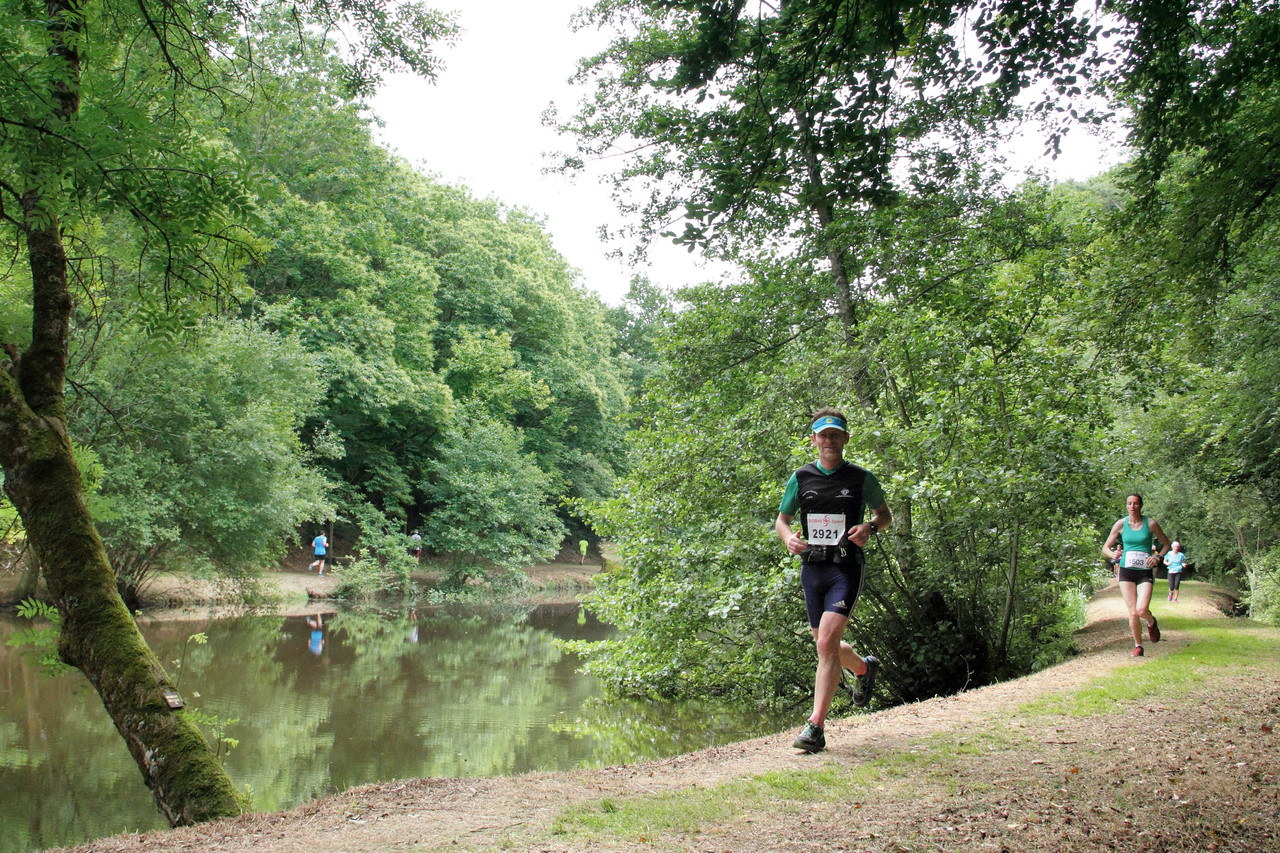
<point>334,699</point>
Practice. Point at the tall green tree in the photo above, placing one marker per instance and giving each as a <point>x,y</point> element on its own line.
<point>639,323</point>
<point>836,151</point>
<point>101,108</point>
<point>747,118</point>
<point>985,444</point>
<point>437,318</point>
<point>199,445</point>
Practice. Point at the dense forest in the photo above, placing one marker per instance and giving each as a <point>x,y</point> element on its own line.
<point>392,355</point>
<point>1015,356</point>
<point>231,320</point>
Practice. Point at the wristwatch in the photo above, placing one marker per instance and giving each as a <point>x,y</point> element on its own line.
<point>874,529</point>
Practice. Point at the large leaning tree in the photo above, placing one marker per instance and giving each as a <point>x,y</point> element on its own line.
<point>107,117</point>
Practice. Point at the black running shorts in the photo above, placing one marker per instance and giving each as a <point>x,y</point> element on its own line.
<point>830,588</point>
<point>1138,576</point>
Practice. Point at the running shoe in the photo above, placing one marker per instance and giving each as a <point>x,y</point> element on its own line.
<point>865,683</point>
<point>1154,630</point>
<point>1137,651</point>
<point>811,739</point>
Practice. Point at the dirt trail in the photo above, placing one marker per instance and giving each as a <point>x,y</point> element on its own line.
<point>1204,776</point>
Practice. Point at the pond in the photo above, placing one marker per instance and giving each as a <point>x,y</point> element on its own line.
<point>320,703</point>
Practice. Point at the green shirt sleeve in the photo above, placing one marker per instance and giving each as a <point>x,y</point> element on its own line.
<point>872,495</point>
<point>872,492</point>
<point>791,498</point>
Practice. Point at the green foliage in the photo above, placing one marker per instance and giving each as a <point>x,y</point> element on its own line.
<point>11,534</point>
<point>1195,78</point>
<point>464,379</point>
<point>40,642</point>
<point>199,638</point>
<point>200,449</point>
<point>217,726</point>
<point>431,314</point>
<point>759,120</point>
<point>1264,586</point>
<point>638,323</point>
<point>970,402</point>
<point>488,493</point>
<point>382,563</point>
<point>214,723</point>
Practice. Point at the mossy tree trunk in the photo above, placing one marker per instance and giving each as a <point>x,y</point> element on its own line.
<point>99,636</point>
<point>41,478</point>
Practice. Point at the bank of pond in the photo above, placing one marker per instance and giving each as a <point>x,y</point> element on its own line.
<point>307,705</point>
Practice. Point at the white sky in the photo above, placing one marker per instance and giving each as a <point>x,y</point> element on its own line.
<point>480,126</point>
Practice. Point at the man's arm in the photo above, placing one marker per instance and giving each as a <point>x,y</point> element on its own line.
<point>881,518</point>
<point>794,542</point>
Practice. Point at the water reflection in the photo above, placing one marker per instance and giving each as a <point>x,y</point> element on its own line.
<point>322,702</point>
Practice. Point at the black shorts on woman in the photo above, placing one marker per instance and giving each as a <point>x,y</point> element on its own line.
<point>1138,576</point>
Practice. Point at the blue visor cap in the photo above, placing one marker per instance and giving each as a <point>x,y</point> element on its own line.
<point>828,422</point>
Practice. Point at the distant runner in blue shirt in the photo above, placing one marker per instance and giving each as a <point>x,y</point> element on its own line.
<point>1175,560</point>
<point>321,546</point>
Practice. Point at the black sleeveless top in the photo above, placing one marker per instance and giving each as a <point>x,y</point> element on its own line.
<point>836,494</point>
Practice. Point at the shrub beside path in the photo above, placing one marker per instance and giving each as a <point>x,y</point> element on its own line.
<point>1176,751</point>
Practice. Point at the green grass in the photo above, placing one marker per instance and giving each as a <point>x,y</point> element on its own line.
<point>1221,647</point>
<point>684,811</point>
<point>643,819</point>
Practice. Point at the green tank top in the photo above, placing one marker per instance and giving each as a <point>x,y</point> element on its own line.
<point>1135,542</point>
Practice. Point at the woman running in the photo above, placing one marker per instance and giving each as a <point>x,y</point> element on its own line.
<point>1135,569</point>
<point>1174,560</point>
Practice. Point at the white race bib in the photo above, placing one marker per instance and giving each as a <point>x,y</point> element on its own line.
<point>825,528</point>
<point>1135,560</point>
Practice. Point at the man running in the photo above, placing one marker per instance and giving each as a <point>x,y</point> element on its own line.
<point>831,496</point>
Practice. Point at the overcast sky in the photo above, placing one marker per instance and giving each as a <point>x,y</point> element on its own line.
<point>480,126</point>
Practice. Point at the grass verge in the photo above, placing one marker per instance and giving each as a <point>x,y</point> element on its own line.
<point>935,767</point>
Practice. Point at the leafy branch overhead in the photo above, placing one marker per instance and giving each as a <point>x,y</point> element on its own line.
<point>737,117</point>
